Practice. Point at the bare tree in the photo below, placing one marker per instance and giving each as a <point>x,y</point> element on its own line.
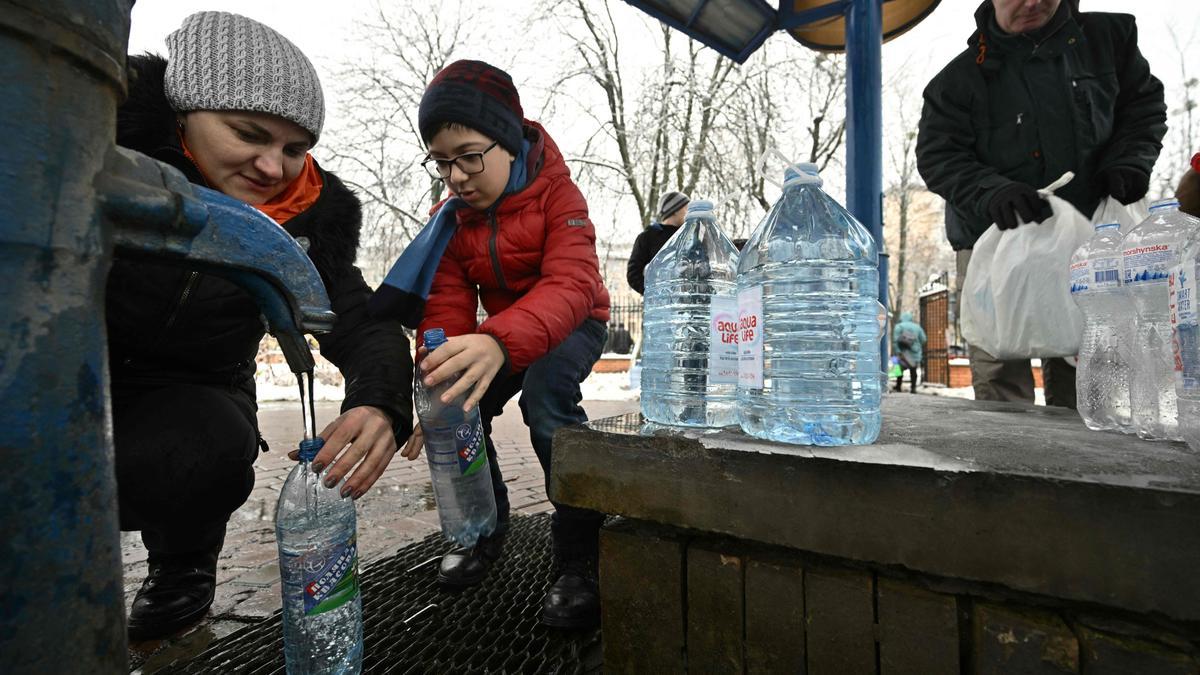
<point>377,145</point>
<point>660,140</point>
<point>903,158</point>
<point>765,114</point>
<point>913,216</point>
<point>1183,130</point>
<point>700,122</point>
<point>662,113</point>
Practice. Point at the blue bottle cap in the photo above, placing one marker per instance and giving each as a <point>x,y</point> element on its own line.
<point>699,207</point>
<point>1164,204</point>
<point>1105,226</point>
<point>805,172</point>
<point>434,338</point>
<point>309,448</point>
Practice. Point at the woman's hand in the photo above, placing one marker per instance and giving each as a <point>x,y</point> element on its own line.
<point>412,449</point>
<point>360,439</point>
<point>476,357</point>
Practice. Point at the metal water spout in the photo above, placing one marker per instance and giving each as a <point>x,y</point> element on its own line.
<point>67,199</point>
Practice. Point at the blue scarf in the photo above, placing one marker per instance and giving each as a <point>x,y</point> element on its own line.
<point>403,293</point>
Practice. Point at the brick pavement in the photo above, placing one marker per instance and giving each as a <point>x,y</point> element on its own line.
<point>398,510</point>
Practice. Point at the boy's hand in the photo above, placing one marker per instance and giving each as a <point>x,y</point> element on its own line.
<point>367,431</point>
<point>412,449</point>
<point>476,357</point>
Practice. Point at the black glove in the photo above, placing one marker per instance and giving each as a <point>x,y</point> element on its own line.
<point>1017,199</point>
<point>1125,184</point>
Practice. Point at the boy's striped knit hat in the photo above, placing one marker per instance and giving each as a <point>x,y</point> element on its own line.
<point>224,61</point>
<point>476,95</point>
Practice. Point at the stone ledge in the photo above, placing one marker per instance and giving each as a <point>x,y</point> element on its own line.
<point>1023,497</point>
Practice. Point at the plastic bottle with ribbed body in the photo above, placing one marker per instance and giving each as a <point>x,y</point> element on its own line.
<point>458,461</point>
<point>316,532</point>
<point>1150,252</point>
<point>1186,336</point>
<point>1102,374</point>
<point>809,331</point>
<point>689,353</point>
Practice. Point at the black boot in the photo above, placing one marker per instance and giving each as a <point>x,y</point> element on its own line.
<point>573,601</point>
<point>460,569</point>
<point>175,595</point>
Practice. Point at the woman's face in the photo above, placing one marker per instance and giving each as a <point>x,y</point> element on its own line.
<point>250,156</point>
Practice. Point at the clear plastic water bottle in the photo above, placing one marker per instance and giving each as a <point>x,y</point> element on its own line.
<point>689,356</point>
<point>809,332</point>
<point>1150,252</point>
<point>458,462</point>
<point>1102,376</point>
<point>318,562</point>
<point>1186,337</point>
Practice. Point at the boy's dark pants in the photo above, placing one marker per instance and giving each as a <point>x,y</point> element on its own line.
<point>550,399</point>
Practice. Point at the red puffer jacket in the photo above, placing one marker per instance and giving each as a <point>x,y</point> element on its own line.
<point>531,260</point>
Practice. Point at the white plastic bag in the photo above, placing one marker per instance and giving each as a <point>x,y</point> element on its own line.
<point>1016,297</point>
<point>1113,211</point>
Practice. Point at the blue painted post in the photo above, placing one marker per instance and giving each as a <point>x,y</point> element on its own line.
<point>62,64</point>
<point>864,127</point>
<point>67,198</point>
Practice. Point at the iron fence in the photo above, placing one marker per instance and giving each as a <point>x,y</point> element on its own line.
<point>627,313</point>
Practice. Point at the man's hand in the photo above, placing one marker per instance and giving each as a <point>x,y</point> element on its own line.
<point>364,440</point>
<point>476,357</point>
<point>1017,200</point>
<point>412,449</point>
<point>1125,184</point>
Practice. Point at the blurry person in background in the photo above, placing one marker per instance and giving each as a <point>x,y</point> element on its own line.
<point>672,209</point>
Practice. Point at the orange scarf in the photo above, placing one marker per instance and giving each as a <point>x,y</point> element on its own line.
<point>295,199</point>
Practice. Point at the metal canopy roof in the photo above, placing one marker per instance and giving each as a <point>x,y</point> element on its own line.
<point>736,28</point>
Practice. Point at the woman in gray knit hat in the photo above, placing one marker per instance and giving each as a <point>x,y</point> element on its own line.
<point>236,107</point>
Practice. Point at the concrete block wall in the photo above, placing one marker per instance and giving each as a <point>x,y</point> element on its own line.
<point>676,602</point>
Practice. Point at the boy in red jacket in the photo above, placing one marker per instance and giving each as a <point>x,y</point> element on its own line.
<point>515,235</point>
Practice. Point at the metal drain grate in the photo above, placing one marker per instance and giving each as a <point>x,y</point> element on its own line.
<point>413,625</point>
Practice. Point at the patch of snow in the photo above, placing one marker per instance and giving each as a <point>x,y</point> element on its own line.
<point>608,387</point>
<point>271,391</point>
<point>1039,394</point>
<point>597,387</point>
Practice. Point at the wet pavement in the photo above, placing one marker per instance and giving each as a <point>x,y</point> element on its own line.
<point>398,510</point>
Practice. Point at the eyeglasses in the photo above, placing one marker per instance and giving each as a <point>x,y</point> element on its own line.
<point>469,163</point>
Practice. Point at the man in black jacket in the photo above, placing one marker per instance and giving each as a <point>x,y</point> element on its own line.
<point>182,343</point>
<point>1042,89</point>
<point>671,210</point>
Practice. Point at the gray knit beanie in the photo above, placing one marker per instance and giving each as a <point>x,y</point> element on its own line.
<point>224,61</point>
<point>671,202</point>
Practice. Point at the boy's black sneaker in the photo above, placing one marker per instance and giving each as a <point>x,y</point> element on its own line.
<point>175,595</point>
<point>573,601</point>
<point>461,569</point>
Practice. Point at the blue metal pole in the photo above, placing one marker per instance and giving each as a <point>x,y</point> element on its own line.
<point>62,64</point>
<point>864,127</point>
<point>67,198</point>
